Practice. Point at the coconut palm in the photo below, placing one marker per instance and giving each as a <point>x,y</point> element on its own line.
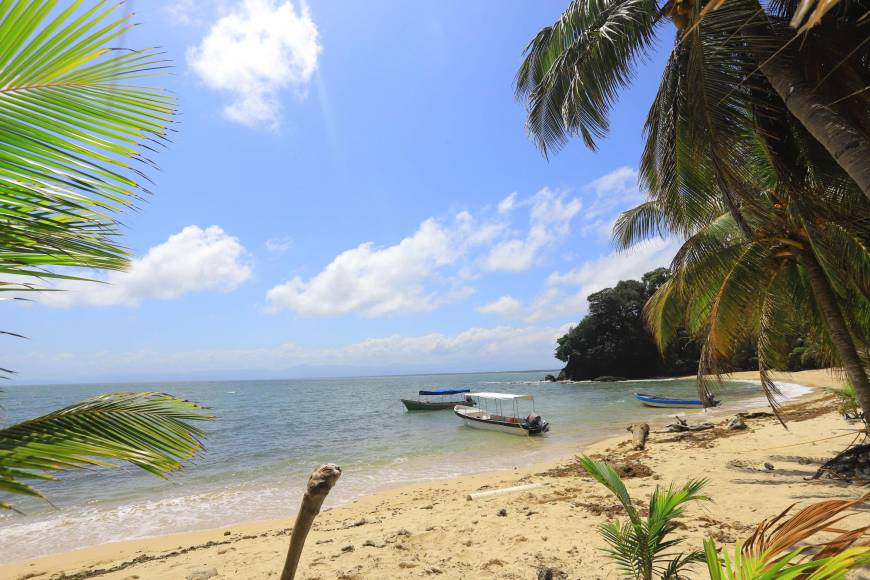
<point>77,121</point>
<point>641,547</point>
<point>573,72</point>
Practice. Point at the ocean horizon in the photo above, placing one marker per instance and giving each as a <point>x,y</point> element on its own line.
<point>270,434</point>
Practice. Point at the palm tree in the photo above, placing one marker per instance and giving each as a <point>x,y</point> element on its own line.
<point>76,124</point>
<point>574,69</point>
<point>709,114</point>
<point>806,265</point>
<point>641,547</point>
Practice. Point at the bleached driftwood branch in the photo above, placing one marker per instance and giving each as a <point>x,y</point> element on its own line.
<point>319,485</point>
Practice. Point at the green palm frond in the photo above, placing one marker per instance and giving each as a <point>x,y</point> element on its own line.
<point>76,123</point>
<point>152,431</point>
<point>573,69</point>
<point>642,547</point>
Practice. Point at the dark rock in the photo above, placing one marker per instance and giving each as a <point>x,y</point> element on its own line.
<point>608,379</point>
<point>502,513</point>
<point>550,378</point>
<point>768,466</point>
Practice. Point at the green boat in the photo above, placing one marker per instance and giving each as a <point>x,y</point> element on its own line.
<point>442,401</point>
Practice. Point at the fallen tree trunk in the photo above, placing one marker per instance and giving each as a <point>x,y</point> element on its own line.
<point>640,433</point>
<point>682,426</point>
<point>319,485</point>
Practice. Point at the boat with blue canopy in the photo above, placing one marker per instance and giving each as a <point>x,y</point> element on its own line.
<point>438,399</point>
<point>673,403</point>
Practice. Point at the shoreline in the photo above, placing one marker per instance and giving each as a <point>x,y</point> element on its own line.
<point>181,554</point>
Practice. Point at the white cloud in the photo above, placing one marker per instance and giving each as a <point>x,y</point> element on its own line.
<point>549,220</point>
<point>278,245</point>
<point>192,260</point>
<point>504,306</point>
<point>614,192</point>
<point>256,51</point>
<point>597,274</point>
<point>183,12</point>
<point>478,348</point>
<point>508,203</point>
<point>374,281</point>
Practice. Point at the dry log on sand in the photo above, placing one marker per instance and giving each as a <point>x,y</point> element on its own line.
<point>640,433</point>
<point>736,423</point>
<point>319,485</point>
<point>681,426</point>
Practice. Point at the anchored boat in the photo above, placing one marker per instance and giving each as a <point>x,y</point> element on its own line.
<point>489,414</point>
<point>667,402</point>
<point>443,400</point>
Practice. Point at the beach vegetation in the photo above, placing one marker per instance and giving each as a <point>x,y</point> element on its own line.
<point>848,404</point>
<point>644,547</point>
<point>786,547</point>
<point>79,125</point>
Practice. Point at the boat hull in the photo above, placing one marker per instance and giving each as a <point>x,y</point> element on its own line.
<point>414,405</point>
<point>485,423</point>
<point>665,403</point>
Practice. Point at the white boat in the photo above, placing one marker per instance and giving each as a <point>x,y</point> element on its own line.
<point>489,414</point>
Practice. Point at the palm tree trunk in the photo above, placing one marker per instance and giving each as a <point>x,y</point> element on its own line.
<point>838,330</point>
<point>847,143</point>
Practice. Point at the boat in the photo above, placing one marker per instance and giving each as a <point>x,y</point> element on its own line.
<point>442,402</point>
<point>670,403</point>
<point>489,414</point>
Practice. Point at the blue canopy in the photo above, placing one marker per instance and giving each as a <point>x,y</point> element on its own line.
<point>445,392</point>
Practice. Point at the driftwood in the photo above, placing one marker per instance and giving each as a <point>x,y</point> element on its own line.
<point>755,415</point>
<point>736,423</point>
<point>640,433</point>
<point>504,490</point>
<point>319,485</point>
<point>681,425</point>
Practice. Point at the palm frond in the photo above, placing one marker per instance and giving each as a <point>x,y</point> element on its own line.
<point>573,69</point>
<point>152,431</point>
<point>75,125</point>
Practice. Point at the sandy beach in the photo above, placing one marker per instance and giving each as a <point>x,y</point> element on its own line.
<point>433,529</point>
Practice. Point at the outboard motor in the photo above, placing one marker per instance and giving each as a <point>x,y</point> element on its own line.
<point>535,424</point>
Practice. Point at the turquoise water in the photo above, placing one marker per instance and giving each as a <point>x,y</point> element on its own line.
<point>270,435</point>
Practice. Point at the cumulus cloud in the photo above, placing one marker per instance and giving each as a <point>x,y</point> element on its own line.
<point>549,221</point>
<point>594,275</point>
<point>373,281</point>
<point>192,260</point>
<point>611,194</point>
<point>504,306</point>
<point>255,51</point>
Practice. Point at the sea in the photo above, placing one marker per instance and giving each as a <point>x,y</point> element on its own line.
<point>269,435</point>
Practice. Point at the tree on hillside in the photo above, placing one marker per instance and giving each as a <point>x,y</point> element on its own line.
<point>613,340</point>
<point>76,125</point>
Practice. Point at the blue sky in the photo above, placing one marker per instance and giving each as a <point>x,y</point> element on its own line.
<point>350,190</point>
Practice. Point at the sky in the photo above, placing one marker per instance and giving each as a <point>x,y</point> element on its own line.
<point>351,190</point>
